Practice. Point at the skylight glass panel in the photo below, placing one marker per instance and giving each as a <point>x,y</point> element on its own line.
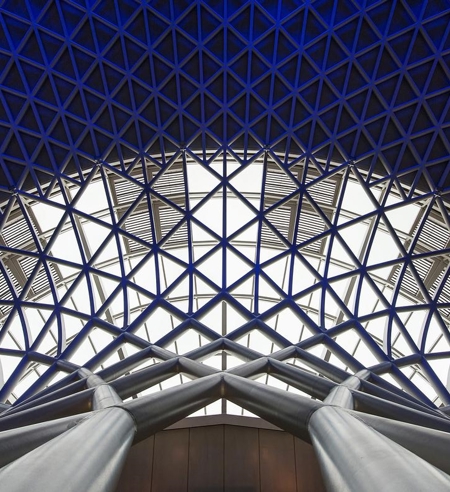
<point>146,263</point>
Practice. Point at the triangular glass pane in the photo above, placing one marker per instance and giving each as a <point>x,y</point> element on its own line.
<point>248,235</point>
<point>310,305</point>
<point>80,296</point>
<point>210,213</point>
<point>188,341</point>
<point>323,191</point>
<point>266,290</point>
<point>400,346</point>
<point>215,318</point>
<point>203,292</point>
<point>364,355</point>
<point>304,277</point>
<point>106,285</point>
<point>310,223</point>
<point>167,224</point>
<point>48,215</point>
<point>93,200</point>
<point>137,298</point>
<point>238,213</point>
<point>49,339</point>
<point>65,246</point>
<point>211,267</point>
<point>202,240</point>
<point>169,271</point>
<point>83,353</point>
<point>353,236</point>
<point>160,323</point>
<point>341,255</point>
<point>356,202</point>
<point>249,179</point>
<point>368,298</point>
<point>401,218</point>
<point>278,271</point>
<point>258,341</point>
<point>244,293</point>
<point>287,324</point>
<point>94,234</point>
<point>179,295</point>
<point>234,319</point>
<point>271,244</point>
<point>72,325</point>
<point>106,253</point>
<point>138,224</point>
<point>345,291</point>
<point>384,247</point>
<point>435,329</point>
<point>201,181</point>
<point>145,273</point>
<point>236,267</point>
<point>278,184</point>
<point>130,245</point>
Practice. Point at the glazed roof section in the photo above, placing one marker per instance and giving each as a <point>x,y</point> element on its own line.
<point>234,247</point>
<point>336,206</point>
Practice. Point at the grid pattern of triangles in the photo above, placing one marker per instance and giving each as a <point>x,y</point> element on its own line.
<point>338,80</point>
<point>335,113</point>
<point>228,248</point>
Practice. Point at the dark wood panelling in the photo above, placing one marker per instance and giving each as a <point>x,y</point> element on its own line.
<point>309,478</point>
<point>241,465</point>
<point>170,461</point>
<point>221,419</point>
<point>221,457</point>
<point>206,459</point>
<point>277,461</point>
<point>137,471</point>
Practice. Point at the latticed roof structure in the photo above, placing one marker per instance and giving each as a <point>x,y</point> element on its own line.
<point>225,192</point>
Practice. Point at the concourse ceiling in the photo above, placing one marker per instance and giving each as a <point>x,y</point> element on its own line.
<point>263,174</point>
<point>346,80</point>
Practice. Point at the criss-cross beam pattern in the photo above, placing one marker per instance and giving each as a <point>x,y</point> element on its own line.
<point>195,176</point>
<point>340,80</point>
<point>200,253</point>
<point>225,192</point>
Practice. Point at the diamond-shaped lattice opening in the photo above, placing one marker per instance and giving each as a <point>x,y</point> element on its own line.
<point>129,258</point>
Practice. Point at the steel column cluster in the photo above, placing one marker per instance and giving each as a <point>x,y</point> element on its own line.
<point>400,446</point>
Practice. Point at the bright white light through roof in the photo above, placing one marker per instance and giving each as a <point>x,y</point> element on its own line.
<point>215,246</point>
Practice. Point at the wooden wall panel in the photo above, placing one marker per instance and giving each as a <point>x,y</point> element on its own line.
<point>137,471</point>
<point>309,477</point>
<point>277,461</point>
<point>206,459</point>
<point>241,463</point>
<point>221,457</point>
<point>170,461</point>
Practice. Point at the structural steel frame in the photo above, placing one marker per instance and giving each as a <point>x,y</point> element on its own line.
<point>317,98</point>
<point>352,407</point>
<point>358,430</point>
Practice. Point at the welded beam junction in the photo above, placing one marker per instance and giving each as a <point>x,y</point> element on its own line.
<point>397,442</point>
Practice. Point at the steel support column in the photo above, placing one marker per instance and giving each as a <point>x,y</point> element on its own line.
<point>430,444</point>
<point>15,443</point>
<point>355,457</point>
<point>88,457</point>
